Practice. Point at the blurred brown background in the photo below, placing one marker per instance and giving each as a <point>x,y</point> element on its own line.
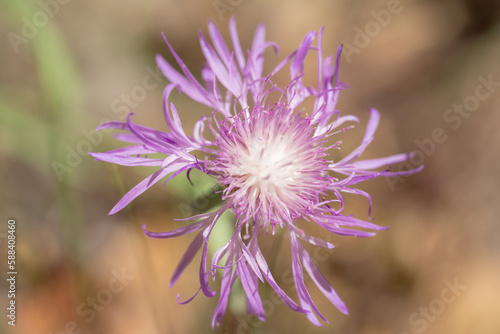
<point>67,65</point>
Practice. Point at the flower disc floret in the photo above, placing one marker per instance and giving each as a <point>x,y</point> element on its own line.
<point>271,164</point>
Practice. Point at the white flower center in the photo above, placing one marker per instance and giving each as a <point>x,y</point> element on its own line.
<point>266,166</point>
<point>272,167</point>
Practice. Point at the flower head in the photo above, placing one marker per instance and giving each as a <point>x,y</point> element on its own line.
<point>271,161</point>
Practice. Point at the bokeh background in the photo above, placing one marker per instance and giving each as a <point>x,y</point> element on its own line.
<point>66,66</point>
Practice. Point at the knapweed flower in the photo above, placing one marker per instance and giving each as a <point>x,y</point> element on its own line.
<point>270,158</point>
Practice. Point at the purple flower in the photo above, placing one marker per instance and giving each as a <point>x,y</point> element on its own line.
<point>271,161</point>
